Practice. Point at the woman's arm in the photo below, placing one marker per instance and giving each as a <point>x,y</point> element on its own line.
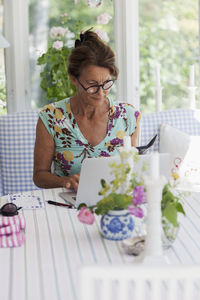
<point>43,157</point>
<point>135,137</point>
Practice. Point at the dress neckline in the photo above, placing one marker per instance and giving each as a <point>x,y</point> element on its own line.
<point>79,131</point>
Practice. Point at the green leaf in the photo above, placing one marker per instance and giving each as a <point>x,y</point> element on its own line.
<point>81,205</point>
<point>55,80</point>
<point>170,212</point>
<point>113,202</point>
<point>103,183</point>
<point>180,208</point>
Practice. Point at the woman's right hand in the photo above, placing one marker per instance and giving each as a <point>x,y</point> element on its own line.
<point>72,182</point>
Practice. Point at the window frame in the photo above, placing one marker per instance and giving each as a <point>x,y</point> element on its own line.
<point>126,14</point>
<point>17,55</point>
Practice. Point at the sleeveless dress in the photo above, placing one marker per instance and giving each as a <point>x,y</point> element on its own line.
<point>71,147</point>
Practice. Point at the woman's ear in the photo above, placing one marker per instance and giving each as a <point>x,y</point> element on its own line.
<point>73,80</point>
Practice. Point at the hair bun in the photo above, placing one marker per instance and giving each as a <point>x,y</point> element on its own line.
<point>77,43</point>
<point>81,41</point>
<point>82,38</point>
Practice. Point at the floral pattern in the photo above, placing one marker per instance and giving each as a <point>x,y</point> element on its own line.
<point>71,147</point>
<point>116,226</point>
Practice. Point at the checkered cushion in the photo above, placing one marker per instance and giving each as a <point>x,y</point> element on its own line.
<point>17,138</point>
<point>186,120</point>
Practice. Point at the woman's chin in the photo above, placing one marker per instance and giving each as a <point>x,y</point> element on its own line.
<point>98,98</point>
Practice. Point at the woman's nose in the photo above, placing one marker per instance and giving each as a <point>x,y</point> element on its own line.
<point>101,91</point>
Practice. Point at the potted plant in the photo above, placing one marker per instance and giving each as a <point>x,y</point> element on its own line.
<point>55,80</point>
<point>117,207</point>
<point>117,204</point>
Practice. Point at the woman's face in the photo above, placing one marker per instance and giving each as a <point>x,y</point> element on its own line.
<point>90,77</point>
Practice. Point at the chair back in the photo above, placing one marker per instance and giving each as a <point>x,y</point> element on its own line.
<point>140,282</point>
<point>186,120</point>
<point>17,139</point>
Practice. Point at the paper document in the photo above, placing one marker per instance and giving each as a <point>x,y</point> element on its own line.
<point>26,200</point>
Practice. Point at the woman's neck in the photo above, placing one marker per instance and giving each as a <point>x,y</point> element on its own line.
<point>84,108</point>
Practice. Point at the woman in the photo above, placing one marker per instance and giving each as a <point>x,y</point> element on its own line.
<point>86,125</point>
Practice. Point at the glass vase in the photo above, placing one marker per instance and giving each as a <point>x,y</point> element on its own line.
<point>169,233</point>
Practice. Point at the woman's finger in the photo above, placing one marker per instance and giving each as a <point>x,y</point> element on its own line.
<point>68,185</point>
<point>73,181</point>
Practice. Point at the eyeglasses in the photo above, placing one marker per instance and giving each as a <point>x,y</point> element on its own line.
<point>9,209</point>
<point>93,89</point>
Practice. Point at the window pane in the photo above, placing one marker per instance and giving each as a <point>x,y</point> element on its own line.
<point>3,110</point>
<point>44,15</point>
<point>169,36</point>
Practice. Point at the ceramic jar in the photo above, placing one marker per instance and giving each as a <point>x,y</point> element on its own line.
<point>117,225</point>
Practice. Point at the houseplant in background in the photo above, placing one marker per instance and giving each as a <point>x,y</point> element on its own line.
<point>55,80</point>
<point>2,99</point>
<point>54,76</point>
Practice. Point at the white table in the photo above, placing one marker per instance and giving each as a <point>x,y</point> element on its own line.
<point>57,244</point>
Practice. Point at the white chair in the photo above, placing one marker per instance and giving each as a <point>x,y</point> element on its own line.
<point>140,282</point>
<point>186,120</point>
<point>17,138</point>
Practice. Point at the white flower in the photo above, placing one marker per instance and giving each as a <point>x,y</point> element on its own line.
<point>75,1</point>
<point>58,45</point>
<point>2,104</point>
<point>57,32</point>
<point>70,39</point>
<point>69,35</point>
<point>103,35</point>
<point>69,44</point>
<point>103,18</point>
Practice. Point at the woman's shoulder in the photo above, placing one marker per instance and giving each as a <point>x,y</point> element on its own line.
<point>126,105</point>
<point>62,104</point>
<point>56,116</point>
<point>124,108</point>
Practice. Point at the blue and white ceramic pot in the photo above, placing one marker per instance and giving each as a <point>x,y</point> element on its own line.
<point>117,225</point>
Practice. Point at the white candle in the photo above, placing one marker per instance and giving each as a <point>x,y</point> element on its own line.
<point>154,166</point>
<point>158,98</point>
<point>192,75</point>
<point>127,142</point>
<point>153,240</point>
<point>157,74</point>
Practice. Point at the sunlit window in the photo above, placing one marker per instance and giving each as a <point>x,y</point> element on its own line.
<point>168,36</point>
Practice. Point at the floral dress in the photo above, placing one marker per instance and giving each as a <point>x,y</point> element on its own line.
<point>71,147</point>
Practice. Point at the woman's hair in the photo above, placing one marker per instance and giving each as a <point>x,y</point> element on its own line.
<point>91,50</point>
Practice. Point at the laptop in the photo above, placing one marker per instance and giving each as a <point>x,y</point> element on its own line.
<point>95,169</point>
